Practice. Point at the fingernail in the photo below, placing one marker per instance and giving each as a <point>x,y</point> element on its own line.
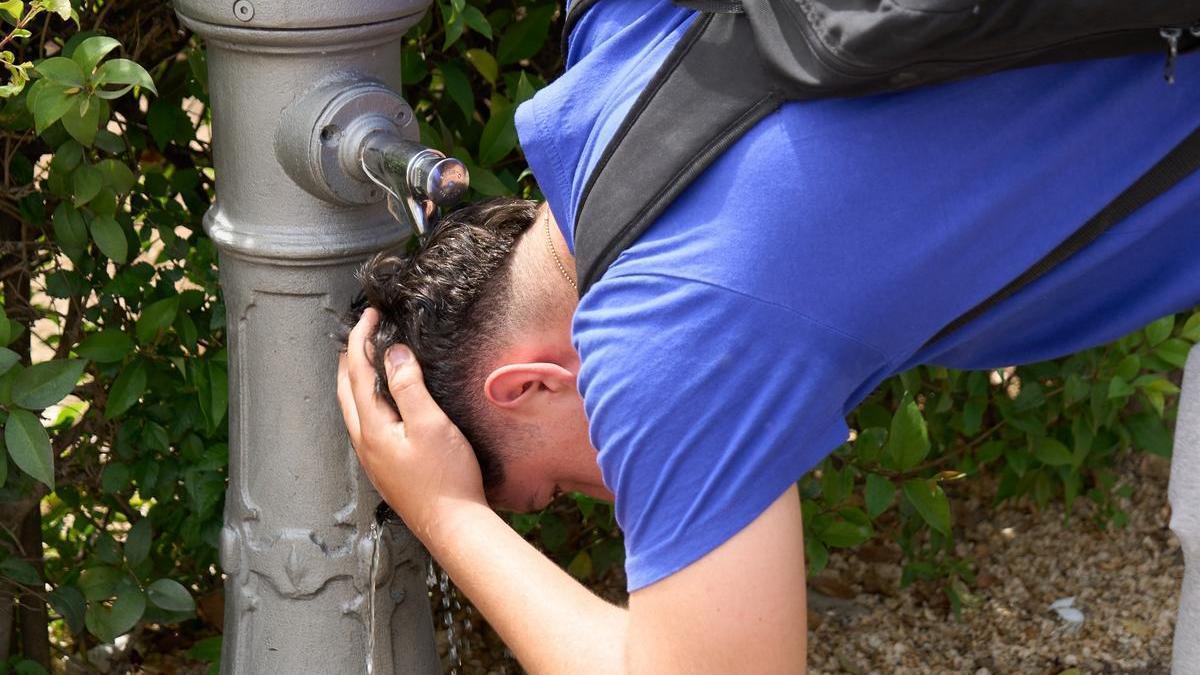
<point>398,356</point>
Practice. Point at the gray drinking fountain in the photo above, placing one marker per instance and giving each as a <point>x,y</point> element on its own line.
<point>316,157</point>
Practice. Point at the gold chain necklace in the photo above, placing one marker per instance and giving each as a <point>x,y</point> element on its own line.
<point>557,261</point>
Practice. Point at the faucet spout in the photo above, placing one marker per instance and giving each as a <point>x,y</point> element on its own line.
<point>416,177</point>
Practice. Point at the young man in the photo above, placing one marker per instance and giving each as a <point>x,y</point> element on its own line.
<point>714,362</point>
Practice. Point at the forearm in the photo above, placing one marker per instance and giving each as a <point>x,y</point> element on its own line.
<point>550,621</point>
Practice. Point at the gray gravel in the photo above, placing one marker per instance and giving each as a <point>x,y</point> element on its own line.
<point>1125,583</point>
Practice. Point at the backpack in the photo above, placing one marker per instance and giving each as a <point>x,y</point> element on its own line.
<point>739,61</point>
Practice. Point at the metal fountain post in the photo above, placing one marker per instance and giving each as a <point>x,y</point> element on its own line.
<point>309,135</point>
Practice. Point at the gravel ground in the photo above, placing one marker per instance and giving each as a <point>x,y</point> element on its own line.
<point>1125,584</point>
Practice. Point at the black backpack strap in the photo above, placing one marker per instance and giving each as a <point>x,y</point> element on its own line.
<point>1179,163</point>
<point>575,11</point>
<point>711,89</point>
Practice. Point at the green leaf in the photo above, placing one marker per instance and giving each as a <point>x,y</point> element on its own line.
<point>1173,351</point>
<point>580,566</point>
<point>127,609</point>
<point>524,38</point>
<point>452,19</point>
<point>114,479</point>
<point>89,52</point>
<point>104,203</point>
<point>214,398</point>
<point>126,389</point>
<point>86,182</point>
<point>972,416</point>
<point>930,502</point>
<point>82,120</point>
<point>106,346</point>
<point>171,596</point>
<point>835,485</point>
<point>156,317</point>
<point>110,238</point>
<point>1053,453</point>
<point>553,531</point>
<point>908,441</point>
<point>1129,367</point>
<point>99,583</point>
<point>1149,434</point>
<point>1119,388</point>
<point>68,601</point>
<point>68,156</point>
<point>20,571</point>
<point>69,228</point>
<point>525,89</point>
<point>1191,328</point>
<point>117,175</point>
<point>137,542</point>
<point>845,534</point>
<point>110,142</point>
<point>50,104</point>
<point>1160,330</point>
<point>62,70</point>
<point>816,553</point>
<point>208,649</point>
<point>485,63</point>
<point>44,384</point>
<point>60,7</point>
<point>124,71</point>
<point>8,359</point>
<point>878,494</point>
<point>499,134</point>
<point>477,22</point>
<point>29,446</point>
<point>12,11</point>
<point>458,88</point>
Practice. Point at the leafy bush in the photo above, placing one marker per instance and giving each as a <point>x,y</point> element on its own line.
<point>113,391</point>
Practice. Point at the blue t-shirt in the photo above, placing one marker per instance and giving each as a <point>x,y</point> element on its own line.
<point>723,349</point>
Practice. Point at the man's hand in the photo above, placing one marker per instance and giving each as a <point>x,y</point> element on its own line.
<point>419,462</point>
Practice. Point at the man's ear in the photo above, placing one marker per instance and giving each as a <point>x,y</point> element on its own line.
<point>515,384</point>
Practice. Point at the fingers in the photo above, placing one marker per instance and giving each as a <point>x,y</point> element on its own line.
<point>373,413</point>
<point>407,386</point>
<point>346,401</point>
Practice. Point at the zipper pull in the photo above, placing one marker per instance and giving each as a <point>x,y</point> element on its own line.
<point>1171,34</point>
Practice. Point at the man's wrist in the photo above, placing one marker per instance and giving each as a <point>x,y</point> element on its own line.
<point>451,521</point>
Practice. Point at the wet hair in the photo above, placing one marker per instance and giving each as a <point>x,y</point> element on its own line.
<point>450,300</point>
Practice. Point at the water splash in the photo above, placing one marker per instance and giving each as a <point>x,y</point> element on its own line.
<point>449,601</point>
<point>450,604</point>
<point>376,534</point>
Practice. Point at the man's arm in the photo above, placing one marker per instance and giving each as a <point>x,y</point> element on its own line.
<point>741,608</point>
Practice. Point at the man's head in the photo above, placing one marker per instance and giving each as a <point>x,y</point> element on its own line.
<point>486,311</point>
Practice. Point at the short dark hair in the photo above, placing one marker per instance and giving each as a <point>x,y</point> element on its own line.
<point>448,300</point>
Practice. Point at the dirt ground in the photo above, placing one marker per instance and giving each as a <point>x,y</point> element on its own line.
<point>1124,584</point>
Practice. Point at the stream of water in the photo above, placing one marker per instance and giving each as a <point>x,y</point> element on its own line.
<point>450,603</point>
<point>376,534</point>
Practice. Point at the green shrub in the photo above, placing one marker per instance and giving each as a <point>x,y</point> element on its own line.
<point>113,392</point>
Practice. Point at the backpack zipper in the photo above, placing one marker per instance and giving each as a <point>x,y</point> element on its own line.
<point>1171,34</point>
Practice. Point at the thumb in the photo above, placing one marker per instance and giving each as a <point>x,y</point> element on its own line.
<point>407,386</point>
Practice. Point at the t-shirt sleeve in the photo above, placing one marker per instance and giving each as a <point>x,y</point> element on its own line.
<point>705,405</point>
